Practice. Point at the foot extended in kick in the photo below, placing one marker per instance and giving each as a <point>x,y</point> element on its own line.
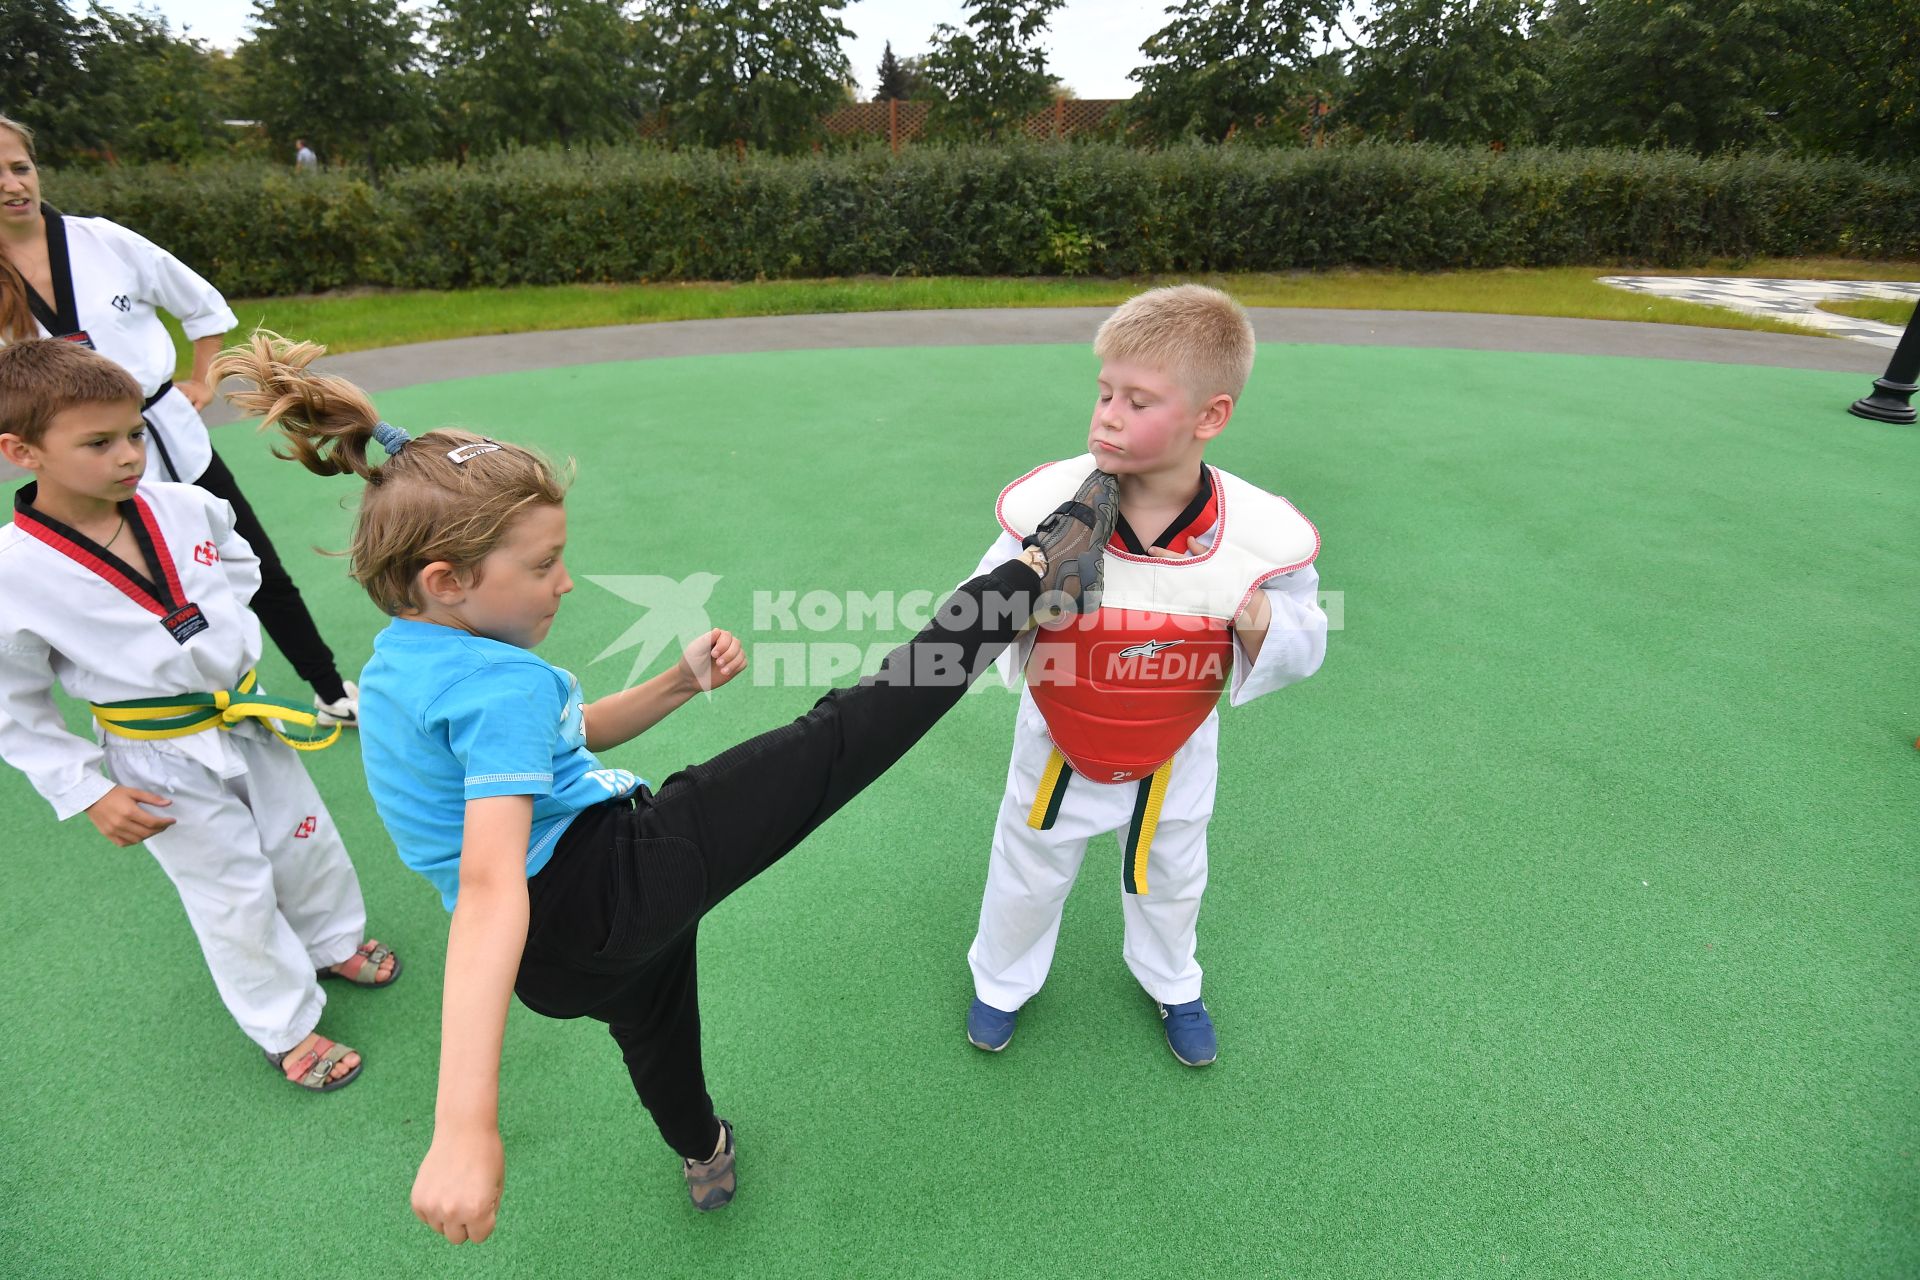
<point>1073,541</point>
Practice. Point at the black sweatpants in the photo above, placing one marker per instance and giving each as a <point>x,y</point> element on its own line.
<point>616,911</point>
<point>282,612</point>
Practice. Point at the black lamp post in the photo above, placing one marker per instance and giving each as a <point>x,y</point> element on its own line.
<point>1893,391</point>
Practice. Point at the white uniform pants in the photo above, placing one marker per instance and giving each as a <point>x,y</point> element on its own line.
<point>1030,871</point>
<point>262,873</point>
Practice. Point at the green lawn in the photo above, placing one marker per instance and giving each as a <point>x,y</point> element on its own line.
<point>361,320</point>
<point>1886,310</point>
<point>1564,925</point>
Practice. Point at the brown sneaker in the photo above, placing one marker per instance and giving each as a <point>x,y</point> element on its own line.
<point>711,1183</point>
<point>1073,538</point>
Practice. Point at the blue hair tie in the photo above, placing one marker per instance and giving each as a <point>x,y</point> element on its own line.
<point>390,437</point>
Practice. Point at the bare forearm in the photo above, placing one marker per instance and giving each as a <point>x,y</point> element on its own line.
<point>1251,626</point>
<point>621,717</point>
<point>489,932</point>
<point>204,350</point>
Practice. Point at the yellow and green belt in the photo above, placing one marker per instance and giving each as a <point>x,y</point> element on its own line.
<point>181,714</point>
<point>1150,795</point>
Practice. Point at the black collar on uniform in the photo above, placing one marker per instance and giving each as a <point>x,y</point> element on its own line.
<point>23,509</point>
<point>63,317</point>
<point>1131,540</point>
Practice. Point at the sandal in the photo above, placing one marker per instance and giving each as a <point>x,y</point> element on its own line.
<point>315,1066</point>
<point>365,966</point>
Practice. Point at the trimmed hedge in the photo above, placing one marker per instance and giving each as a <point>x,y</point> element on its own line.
<point>640,214</point>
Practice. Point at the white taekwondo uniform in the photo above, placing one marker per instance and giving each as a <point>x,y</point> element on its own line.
<point>256,857</point>
<point>1127,756</point>
<point>107,283</point>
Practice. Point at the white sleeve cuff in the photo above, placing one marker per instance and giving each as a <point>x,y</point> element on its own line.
<point>80,797</point>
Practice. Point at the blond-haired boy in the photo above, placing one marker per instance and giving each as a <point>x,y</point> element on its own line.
<point>1209,585</point>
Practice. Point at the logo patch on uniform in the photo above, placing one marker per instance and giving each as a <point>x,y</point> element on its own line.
<point>1148,649</point>
<point>206,553</point>
<point>184,623</point>
<point>122,304</point>
<point>306,827</point>
<point>1149,663</point>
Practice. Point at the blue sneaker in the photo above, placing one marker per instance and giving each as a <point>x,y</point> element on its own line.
<point>1190,1032</point>
<point>987,1027</point>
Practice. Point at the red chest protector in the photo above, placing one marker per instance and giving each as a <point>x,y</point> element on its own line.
<point>1124,688</point>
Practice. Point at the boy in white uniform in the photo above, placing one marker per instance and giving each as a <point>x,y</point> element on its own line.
<point>1117,730</point>
<point>135,599</point>
<point>94,282</point>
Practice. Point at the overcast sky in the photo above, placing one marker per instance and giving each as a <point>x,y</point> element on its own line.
<point>1091,44</point>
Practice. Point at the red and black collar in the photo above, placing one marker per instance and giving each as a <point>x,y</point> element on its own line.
<point>1199,516</point>
<point>158,598</point>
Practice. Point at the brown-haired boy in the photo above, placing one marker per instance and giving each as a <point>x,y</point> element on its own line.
<point>1117,729</point>
<point>134,596</point>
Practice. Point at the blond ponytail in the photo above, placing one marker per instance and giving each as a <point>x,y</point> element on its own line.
<point>437,497</point>
<point>327,421</point>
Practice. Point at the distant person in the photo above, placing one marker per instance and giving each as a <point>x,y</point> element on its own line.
<point>93,282</point>
<point>304,161</point>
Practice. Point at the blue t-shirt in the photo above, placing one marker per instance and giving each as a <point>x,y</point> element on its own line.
<point>447,717</point>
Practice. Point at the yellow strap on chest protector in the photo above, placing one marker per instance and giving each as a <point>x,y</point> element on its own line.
<point>187,713</point>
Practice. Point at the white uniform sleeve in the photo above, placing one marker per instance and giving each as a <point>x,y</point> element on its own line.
<point>237,556</point>
<point>1296,638</point>
<point>173,286</point>
<point>34,738</point>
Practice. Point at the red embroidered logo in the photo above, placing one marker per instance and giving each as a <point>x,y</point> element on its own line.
<point>206,553</point>
<point>306,827</point>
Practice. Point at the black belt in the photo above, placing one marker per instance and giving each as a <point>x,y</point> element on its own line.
<point>159,441</point>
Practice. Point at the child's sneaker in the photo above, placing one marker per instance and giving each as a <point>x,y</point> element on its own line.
<point>344,710</point>
<point>711,1183</point>
<point>1190,1032</point>
<point>987,1027</point>
<point>1073,538</point>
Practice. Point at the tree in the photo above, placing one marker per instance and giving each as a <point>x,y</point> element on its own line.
<point>534,71</point>
<point>904,78</point>
<point>1680,73</point>
<point>758,74</point>
<point>993,74</point>
<point>44,49</point>
<point>1852,80</point>
<point>1222,64</point>
<point>1457,71</point>
<point>153,92</point>
<point>893,77</point>
<point>341,73</point>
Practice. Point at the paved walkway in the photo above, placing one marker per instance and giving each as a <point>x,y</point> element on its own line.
<point>1795,300</point>
<point>392,367</point>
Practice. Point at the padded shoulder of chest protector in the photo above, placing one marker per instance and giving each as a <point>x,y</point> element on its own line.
<point>1261,536</point>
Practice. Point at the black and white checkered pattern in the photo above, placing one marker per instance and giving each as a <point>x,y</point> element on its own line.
<point>1794,300</point>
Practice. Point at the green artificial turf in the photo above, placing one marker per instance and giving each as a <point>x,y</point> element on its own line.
<point>1563,925</point>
